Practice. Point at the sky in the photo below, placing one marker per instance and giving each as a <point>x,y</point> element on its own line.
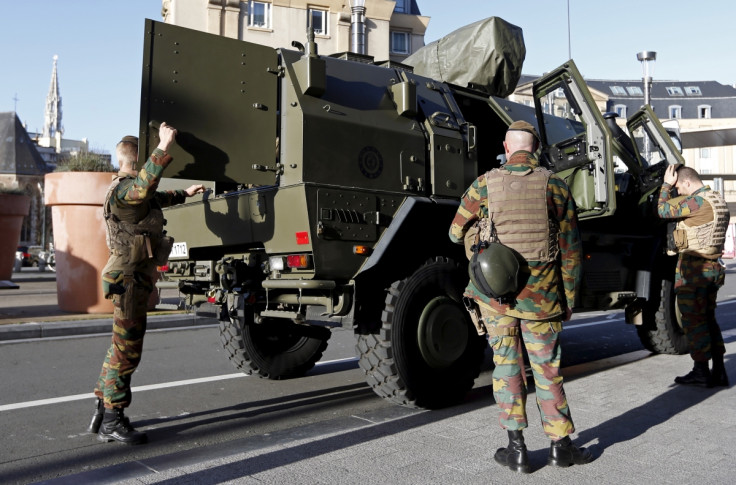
<point>100,49</point>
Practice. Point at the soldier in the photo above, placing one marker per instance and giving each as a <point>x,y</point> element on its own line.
<point>137,244</point>
<point>699,237</point>
<point>532,212</point>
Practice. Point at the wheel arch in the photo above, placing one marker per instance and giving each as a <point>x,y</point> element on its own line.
<point>419,231</point>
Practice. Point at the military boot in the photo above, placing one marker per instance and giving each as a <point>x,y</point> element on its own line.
<point>94,424</point>
<point>564,453</point>
<point>699,376</point>
<point>116,427</point>
<point>718,376</point>
<point>514,455</point>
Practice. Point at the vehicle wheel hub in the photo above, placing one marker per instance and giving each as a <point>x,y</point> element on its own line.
<point>442,332</point>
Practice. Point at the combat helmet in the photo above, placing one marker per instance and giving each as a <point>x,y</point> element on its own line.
<point>494,270</point>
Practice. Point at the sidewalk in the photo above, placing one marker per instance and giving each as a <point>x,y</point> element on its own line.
<point>639,426</point>
<point>32,311</point>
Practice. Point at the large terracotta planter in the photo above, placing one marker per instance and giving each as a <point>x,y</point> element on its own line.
<point>76,200</point>
<point>13,208</point>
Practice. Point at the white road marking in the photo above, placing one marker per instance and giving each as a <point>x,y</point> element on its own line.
<point>151,387</point>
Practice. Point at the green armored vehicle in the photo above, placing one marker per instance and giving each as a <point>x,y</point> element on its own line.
<point>332,184</point>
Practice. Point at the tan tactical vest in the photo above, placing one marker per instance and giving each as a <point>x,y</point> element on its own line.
<point>135,233</point>
<point>517,207</point>
<point>708,239</point>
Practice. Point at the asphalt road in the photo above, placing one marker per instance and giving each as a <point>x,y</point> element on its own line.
<point>188,397</point>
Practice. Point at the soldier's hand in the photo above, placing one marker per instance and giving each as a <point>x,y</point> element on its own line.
<point>166,135</point>
<point>670,175</point>
<point>194,189</point>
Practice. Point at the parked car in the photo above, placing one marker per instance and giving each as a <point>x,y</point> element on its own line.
<point>31,255</point>
<point>25,255</point>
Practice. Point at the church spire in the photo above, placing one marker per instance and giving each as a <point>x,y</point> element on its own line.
<point>52,116</point>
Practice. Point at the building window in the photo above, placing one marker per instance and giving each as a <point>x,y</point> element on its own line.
<point>703,111</point>
<point>635,90</point>
<point>618,90</point>
<point>259,14</point>
<point>692,91</point>
<point>399,42</point>
<point>620,110</point>
<point>319,21</point>
<point>401,6</point>
<point>674,91</point>
<point>705,153</point>
<point>675,111</point>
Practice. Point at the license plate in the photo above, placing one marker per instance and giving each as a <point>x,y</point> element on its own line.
<point>179,250</point>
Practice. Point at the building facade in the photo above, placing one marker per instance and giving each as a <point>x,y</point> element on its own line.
<point>23,168</point>
<point>696,106</point>
<point>393,29</point>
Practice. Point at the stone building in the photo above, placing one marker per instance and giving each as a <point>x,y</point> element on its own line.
<point>393,29</point>
<point>21,167</point>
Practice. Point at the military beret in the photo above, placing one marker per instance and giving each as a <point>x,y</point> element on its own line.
<point>130,139</point>
<point>523,126</point>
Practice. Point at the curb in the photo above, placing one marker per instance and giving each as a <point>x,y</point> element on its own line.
<point>72,328</point>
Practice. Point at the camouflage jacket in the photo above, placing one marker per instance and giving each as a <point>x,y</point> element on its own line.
<point>133,198</point>
<point>133,191</point>
<point>550,286</point>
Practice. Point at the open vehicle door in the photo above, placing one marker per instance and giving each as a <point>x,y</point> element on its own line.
<point>653,146</point>
<point>576,143</point>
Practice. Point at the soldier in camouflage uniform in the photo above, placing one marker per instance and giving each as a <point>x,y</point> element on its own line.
<point>533,213</point>
<point>137,244</point>
<point>700,234</point>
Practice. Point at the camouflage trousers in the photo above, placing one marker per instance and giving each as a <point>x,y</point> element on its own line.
<point>697,281</point>
<point>541,340</point>
<point>124,354</point>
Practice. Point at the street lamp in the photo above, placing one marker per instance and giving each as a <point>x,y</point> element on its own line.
<point>647,59</point>
<point>357,26</point>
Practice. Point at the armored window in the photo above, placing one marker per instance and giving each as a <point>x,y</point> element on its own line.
<point>675,111</point>
<point>692,91</point>
<point>703,111</point>
<point>618,90</point>
<point>401,6</point>
<point>319,20</point>
<point>634,90</point>
<point>259,14</point>
<point>399,42</point>
<point>620,110</point>
<point>674,91</point>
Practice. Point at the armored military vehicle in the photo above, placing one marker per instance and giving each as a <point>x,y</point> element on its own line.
<point>332,182</point>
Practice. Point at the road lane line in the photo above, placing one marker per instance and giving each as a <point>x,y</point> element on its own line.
<point>150,387</point>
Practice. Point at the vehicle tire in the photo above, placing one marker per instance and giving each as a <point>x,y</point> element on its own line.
<point>661,331</point>
<point>274,349</point>
<point>427,353</point>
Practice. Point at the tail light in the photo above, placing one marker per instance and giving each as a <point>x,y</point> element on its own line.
<point>299,261</point>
